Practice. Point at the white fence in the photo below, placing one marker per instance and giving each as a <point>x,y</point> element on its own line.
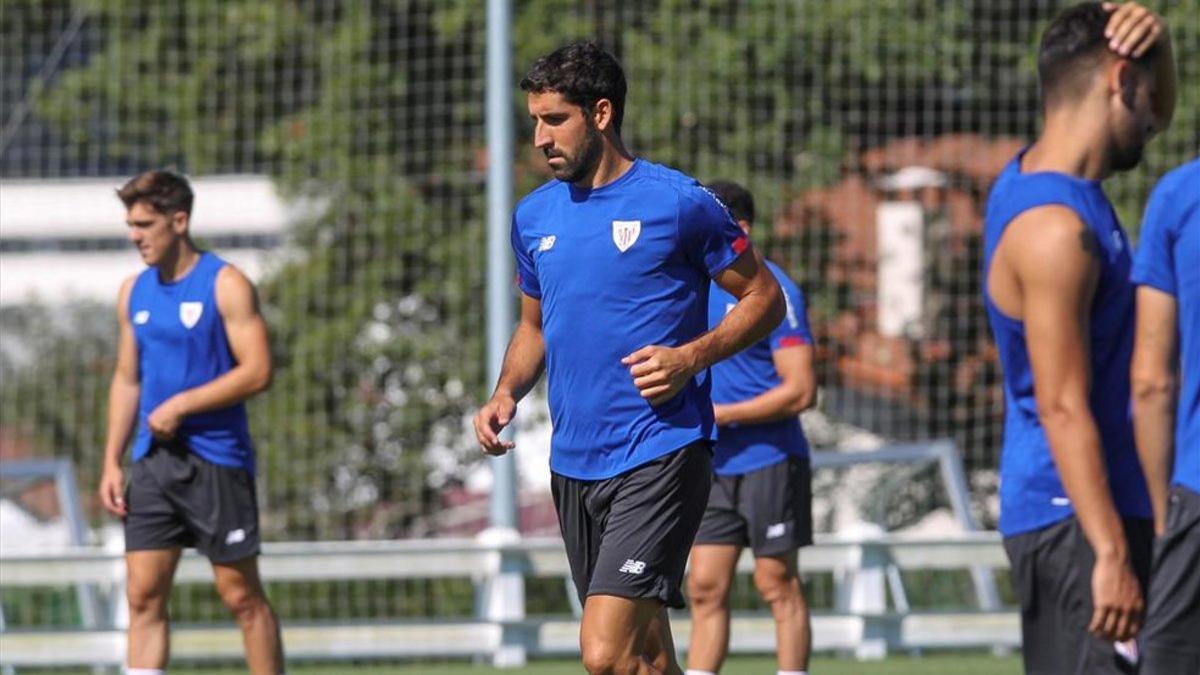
<point>861,623</point>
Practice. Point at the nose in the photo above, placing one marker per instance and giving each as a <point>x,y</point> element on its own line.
<point>541,139</point>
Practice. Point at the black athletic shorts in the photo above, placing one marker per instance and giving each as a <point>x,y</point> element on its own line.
<point>769,510</point>
<point>629,535</point>
<point>176,499</point>
<point>1170,640</point>
<point>1052,577</point>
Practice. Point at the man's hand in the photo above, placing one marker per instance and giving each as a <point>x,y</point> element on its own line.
<point>164,421</point>
<point>1132,29</point>
<point>491,418</point>
<point>660,372</point>
<point>1117,600</point>
<point>112,490</point>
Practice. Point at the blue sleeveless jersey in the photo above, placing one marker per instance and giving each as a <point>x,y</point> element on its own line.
<point>1031,494</point>
<point>181,345</point>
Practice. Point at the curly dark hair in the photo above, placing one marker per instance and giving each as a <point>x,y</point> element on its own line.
<point>583,73</point>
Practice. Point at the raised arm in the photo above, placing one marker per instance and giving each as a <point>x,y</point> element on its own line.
<point>246,332</point>
<point>523,364</point>
<point>123,395</point>
<point>1056,266</point>
<point>660,372</point>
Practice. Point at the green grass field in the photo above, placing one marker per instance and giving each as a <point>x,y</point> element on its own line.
<point>940,664</point>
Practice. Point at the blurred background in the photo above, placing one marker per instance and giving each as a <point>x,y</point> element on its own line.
<point>338,154</point>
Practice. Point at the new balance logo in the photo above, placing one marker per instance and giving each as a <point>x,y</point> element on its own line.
<point>141,317</point>
<point>1060,501</point>
<point>546,243</point>
<point>235,536</point>
<point>633,567</point>
<point>776,531</point>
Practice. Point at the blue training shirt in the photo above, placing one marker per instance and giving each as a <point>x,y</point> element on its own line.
<point>618,268</point>
<point>181,345</point>
<point>741,449</point>
<point>1168,258</point>
<point>1031,494</point>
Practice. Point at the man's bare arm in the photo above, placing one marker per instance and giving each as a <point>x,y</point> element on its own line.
<point>523,363</point>
<point>123,395</point>
<point>660,372</point>
<point>246,332</point>
<point>796,392</point>
<point>1054,257</point>
<point>1154,393</point>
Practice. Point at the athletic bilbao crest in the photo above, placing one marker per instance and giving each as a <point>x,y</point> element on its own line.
<point>625,232</point>
<point>189,312</point>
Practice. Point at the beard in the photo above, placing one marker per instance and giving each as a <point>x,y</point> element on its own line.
<point>1125,158</point>
<point>576,168</point>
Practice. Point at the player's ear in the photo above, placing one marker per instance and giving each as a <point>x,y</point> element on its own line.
<point>1123,81</point>
<point>179,222</point>
<point>602,114</point>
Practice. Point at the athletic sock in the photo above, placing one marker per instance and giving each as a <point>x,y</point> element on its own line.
<point>145,671</point>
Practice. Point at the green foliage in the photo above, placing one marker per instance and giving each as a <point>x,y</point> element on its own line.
<point>372,112</point>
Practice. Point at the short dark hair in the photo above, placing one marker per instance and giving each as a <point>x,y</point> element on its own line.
<point>583,73</point>
<point>1072,46</point>
<point>736,198</point>
<point>166,191</point>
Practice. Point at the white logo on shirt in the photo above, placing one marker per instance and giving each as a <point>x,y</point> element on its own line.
<point>235,536</point>
<point>546,243</point>
<point>625,233</point>
<point>1060,501</point>
<point>141,317</point>
<point>633,567</point>
<point>189,312</point>
<point>776,531</point>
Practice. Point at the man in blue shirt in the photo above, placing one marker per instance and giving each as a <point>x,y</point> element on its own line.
<point>1073,504</point>
<point>192,348</point>
<point>761,493</point>
<point>1166,415</point>
<point>614,259</point>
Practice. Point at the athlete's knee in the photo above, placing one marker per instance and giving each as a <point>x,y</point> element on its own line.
<point>707,593</point>
<point>244,602</point>
<point>607,657</point>
<point>147,600</point>
<point>777,586</point>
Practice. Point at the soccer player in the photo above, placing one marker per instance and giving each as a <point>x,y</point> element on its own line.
<point>761,494</point>
<point>1166,365</point>
<point>614,258</point>
<point>1074,510</point>
<point>192,348</point>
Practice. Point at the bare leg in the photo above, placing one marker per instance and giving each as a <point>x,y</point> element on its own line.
<point>708,584</point>
<point>241,589</point>
<point>659,651</point>
<point>148,589</point>
<point>614,635</point>
<point>778,583</point>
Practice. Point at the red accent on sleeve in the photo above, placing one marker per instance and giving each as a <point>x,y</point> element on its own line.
<point>740,244</point>
<point>792,341</point>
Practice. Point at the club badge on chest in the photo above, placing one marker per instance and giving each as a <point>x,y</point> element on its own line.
<point>189,313</point>
<point>625,233</point>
